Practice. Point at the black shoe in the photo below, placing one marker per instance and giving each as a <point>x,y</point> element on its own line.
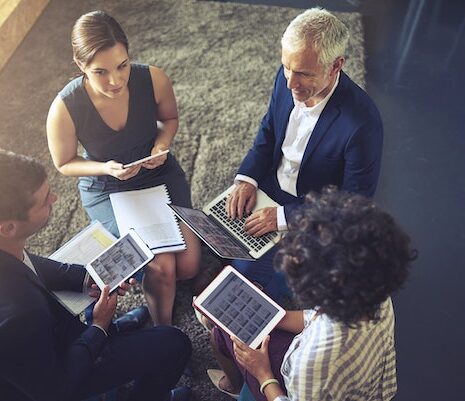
<point>182,393</point>
<point>132,320</point>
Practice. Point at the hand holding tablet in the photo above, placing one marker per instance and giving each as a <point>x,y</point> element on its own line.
<point>146,159</point>
<point>237,306</point>
<point>120,261</point>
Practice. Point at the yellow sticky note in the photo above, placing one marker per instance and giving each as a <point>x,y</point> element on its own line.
<point>102,238</point>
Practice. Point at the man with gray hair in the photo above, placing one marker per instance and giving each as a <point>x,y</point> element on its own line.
<point>320,128</point>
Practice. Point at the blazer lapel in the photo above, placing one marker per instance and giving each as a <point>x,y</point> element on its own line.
<point>16,267</point>
<point>284,116</point>
<point>327,117</point>
<point>321,128</point>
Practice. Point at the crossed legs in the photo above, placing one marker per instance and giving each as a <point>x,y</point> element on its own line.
<point>155,357</point>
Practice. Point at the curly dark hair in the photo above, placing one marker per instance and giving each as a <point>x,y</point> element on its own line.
<point>344,255</point>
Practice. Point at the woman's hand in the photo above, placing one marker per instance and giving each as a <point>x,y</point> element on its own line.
<point>158,161</point>
<point>116,170</point>
<point>256,362</point>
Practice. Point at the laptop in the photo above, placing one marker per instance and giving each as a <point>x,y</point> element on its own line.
<point>227,238</point>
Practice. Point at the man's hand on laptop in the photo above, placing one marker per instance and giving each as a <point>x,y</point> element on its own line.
<point>262,221</point>
<point>242,199</point>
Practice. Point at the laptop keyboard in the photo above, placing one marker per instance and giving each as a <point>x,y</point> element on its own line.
<point>237,226</point>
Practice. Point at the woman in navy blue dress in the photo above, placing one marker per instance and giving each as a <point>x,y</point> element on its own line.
<point>115,109</point>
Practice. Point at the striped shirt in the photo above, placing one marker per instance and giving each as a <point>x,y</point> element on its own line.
<point>330,361</point>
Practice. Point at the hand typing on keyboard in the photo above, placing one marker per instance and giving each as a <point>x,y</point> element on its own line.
<point>262,221</point>
<point>241,200</point>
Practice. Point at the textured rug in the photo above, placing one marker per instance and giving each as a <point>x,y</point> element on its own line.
<point>222,59</point>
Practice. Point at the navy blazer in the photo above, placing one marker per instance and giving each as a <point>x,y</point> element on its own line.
<point>45,352</point>
<point>344,148</point>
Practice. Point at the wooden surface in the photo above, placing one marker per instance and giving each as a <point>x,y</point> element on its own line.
<point>16,19</point>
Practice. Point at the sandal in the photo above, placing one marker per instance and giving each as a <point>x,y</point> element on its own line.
<point>215,376</point>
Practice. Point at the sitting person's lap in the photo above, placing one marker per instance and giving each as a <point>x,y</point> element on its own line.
<point>262,272</point>
<point>280,341</point>
<point>155,357</point>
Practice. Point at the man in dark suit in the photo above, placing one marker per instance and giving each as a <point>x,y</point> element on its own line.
<point>46,354</point>
<point>320,128</point>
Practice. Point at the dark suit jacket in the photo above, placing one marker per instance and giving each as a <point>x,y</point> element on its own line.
<point>44,351</point>
<point>344,148</point>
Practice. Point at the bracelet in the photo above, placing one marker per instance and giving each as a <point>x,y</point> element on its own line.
<point>265,383</point>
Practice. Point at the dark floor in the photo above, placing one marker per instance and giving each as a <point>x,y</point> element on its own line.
<point>415,55</point>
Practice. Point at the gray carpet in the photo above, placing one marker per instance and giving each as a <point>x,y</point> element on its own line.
<point>222,59</point>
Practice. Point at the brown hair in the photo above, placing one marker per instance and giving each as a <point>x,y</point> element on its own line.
<point>93,32</point>
<point>20,177</point>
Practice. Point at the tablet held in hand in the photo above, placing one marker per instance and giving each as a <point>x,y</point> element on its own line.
<point>146,159</point>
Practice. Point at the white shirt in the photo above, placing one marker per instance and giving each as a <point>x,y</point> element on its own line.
<point>300,126</point>
<point>330,361</point>
<point>28,262</point>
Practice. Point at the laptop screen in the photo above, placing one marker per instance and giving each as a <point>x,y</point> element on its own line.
<point>214,236</point>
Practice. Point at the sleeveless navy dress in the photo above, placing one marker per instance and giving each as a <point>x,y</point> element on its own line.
<point>102,143</point>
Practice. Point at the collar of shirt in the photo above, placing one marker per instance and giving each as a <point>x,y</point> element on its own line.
<point>301,123</point>
<point>28,263</point>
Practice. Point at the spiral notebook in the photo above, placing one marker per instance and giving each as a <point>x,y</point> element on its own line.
<point>147,211</point>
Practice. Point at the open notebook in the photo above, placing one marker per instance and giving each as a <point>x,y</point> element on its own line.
<point>81,249</point>
<point>146,211</point>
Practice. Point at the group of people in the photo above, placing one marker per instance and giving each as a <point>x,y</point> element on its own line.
<point>317,154</point>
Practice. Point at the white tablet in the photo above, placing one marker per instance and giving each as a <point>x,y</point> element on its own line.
<point>146,159</point>
<point>237,306</point>
<point>120,261</point>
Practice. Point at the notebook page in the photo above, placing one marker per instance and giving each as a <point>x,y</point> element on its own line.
<point>81,249</point>
<point>147,212</point>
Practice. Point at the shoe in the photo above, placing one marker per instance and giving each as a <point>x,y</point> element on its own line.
<point>182,393</point>
<point>132,320</point>
<point>215,376</point>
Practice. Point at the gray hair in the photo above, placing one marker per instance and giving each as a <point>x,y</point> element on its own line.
<point>321,30</point>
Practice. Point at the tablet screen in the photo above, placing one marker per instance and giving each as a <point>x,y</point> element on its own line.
<point>242,309</point>
<point>120,261</point>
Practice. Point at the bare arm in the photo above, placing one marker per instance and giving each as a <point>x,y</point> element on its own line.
<point>63,144</point>
<point>167,114</point>
<point>293,321</point>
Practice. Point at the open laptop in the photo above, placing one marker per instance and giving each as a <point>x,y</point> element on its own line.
<point>226,237</point>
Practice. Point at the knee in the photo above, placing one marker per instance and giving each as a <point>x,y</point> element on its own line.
<point>178,342</point>
<point>188,266</point>
<point>188,271</point>
<point>160,271</point>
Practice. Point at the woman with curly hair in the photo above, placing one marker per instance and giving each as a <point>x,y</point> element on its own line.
<point>343,257</point>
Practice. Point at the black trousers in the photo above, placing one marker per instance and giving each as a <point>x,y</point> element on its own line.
<point>154,357</point>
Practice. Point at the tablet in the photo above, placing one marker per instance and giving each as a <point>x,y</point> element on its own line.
<point>120,261</point>
<point>146,159</point>
<point>237,306</point>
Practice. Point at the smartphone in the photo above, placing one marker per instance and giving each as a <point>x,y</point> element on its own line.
<point>145,159</point>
